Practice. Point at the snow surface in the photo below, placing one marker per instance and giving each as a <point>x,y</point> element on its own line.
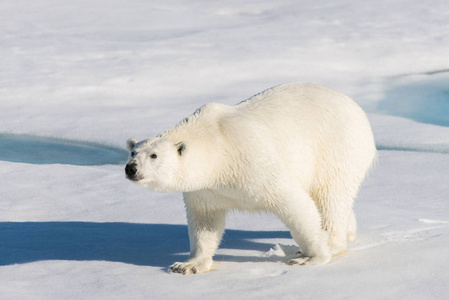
<point>99,72</point>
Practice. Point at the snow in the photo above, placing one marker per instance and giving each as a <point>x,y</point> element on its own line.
<point>90,74</point>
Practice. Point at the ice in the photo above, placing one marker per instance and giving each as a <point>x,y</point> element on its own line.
<point>422,97</point>
<point>42,150</point>
<point>96,73</point>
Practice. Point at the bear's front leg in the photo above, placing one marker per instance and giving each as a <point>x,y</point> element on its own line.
<point>206,227</point>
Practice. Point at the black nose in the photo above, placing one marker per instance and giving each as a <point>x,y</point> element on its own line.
<point>131,169</point>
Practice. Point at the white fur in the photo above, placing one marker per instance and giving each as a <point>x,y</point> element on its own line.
<point>298,150</point>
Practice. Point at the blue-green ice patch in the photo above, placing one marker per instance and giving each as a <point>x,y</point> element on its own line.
<point>421,97</point>
<point>43,150</point>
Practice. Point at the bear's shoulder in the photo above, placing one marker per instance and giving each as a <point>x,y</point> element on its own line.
<point>213,109</point>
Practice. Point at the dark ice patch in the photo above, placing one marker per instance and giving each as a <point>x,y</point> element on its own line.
<point>43,150</point>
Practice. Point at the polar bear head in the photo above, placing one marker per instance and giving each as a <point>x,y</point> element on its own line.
<point>156,163</point>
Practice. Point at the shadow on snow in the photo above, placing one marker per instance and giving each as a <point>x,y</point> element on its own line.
<point>156,245</point>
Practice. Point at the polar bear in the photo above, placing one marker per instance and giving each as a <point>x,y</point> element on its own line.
<point>298,150</point>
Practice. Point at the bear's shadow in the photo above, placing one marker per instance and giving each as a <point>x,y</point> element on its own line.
<point>156,245</point>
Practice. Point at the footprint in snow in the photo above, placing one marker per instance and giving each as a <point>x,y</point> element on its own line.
<point>410,235</point>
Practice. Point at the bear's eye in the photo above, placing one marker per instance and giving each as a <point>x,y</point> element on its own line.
<point>153,156</point>
<point>133,153</point>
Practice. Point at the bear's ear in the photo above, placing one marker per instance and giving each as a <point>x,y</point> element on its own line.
<point>130,143</point>
<point>181,146</point>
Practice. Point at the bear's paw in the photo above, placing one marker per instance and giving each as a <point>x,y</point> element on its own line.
<point>310,260</point>
<point>190,267</point>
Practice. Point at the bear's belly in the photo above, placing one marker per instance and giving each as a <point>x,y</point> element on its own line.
<point>229,198</point>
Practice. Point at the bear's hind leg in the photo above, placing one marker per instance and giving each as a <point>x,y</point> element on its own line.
<point>299,213</point>
<point>338,220</point>
<point>352,228</point>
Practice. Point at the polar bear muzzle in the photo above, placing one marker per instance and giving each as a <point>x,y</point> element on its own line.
<point>131,171</point>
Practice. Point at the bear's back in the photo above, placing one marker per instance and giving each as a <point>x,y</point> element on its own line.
<point>310,127</point>
<point>300,99</point>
